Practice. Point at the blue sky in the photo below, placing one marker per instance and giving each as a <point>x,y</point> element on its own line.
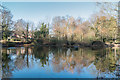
<point>40,11</point>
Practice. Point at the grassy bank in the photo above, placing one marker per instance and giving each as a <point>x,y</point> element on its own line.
<point>60,43</point>
<point>57,43</point>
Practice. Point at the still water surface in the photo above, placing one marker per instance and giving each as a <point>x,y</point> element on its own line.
<point>52,62</point>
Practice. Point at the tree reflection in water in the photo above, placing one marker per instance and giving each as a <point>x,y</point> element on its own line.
<point>97,62</point>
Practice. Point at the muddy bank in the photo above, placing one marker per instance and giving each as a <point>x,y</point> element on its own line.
<point>94,45</point>
<point>16,44</point>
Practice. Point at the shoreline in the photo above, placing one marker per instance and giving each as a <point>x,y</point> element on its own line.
<point>75,46</point>
<point>94,45</point>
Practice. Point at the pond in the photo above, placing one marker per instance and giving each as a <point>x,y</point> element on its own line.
<point>54,62</point>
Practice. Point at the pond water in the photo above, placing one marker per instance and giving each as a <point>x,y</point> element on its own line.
<point>53,62</point>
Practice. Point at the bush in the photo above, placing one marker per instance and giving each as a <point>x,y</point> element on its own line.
<point>10,44</point>
<point>38,41</point>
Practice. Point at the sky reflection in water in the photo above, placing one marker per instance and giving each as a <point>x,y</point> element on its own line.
<point>52,62</point>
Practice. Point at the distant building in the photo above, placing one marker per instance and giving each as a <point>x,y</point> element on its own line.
<point>16,37</point>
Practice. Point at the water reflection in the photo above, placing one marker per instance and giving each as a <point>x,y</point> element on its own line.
<point>60,62</point>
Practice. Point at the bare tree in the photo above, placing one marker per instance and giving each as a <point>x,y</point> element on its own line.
<point>6,21</point>
<point>19,27</point>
